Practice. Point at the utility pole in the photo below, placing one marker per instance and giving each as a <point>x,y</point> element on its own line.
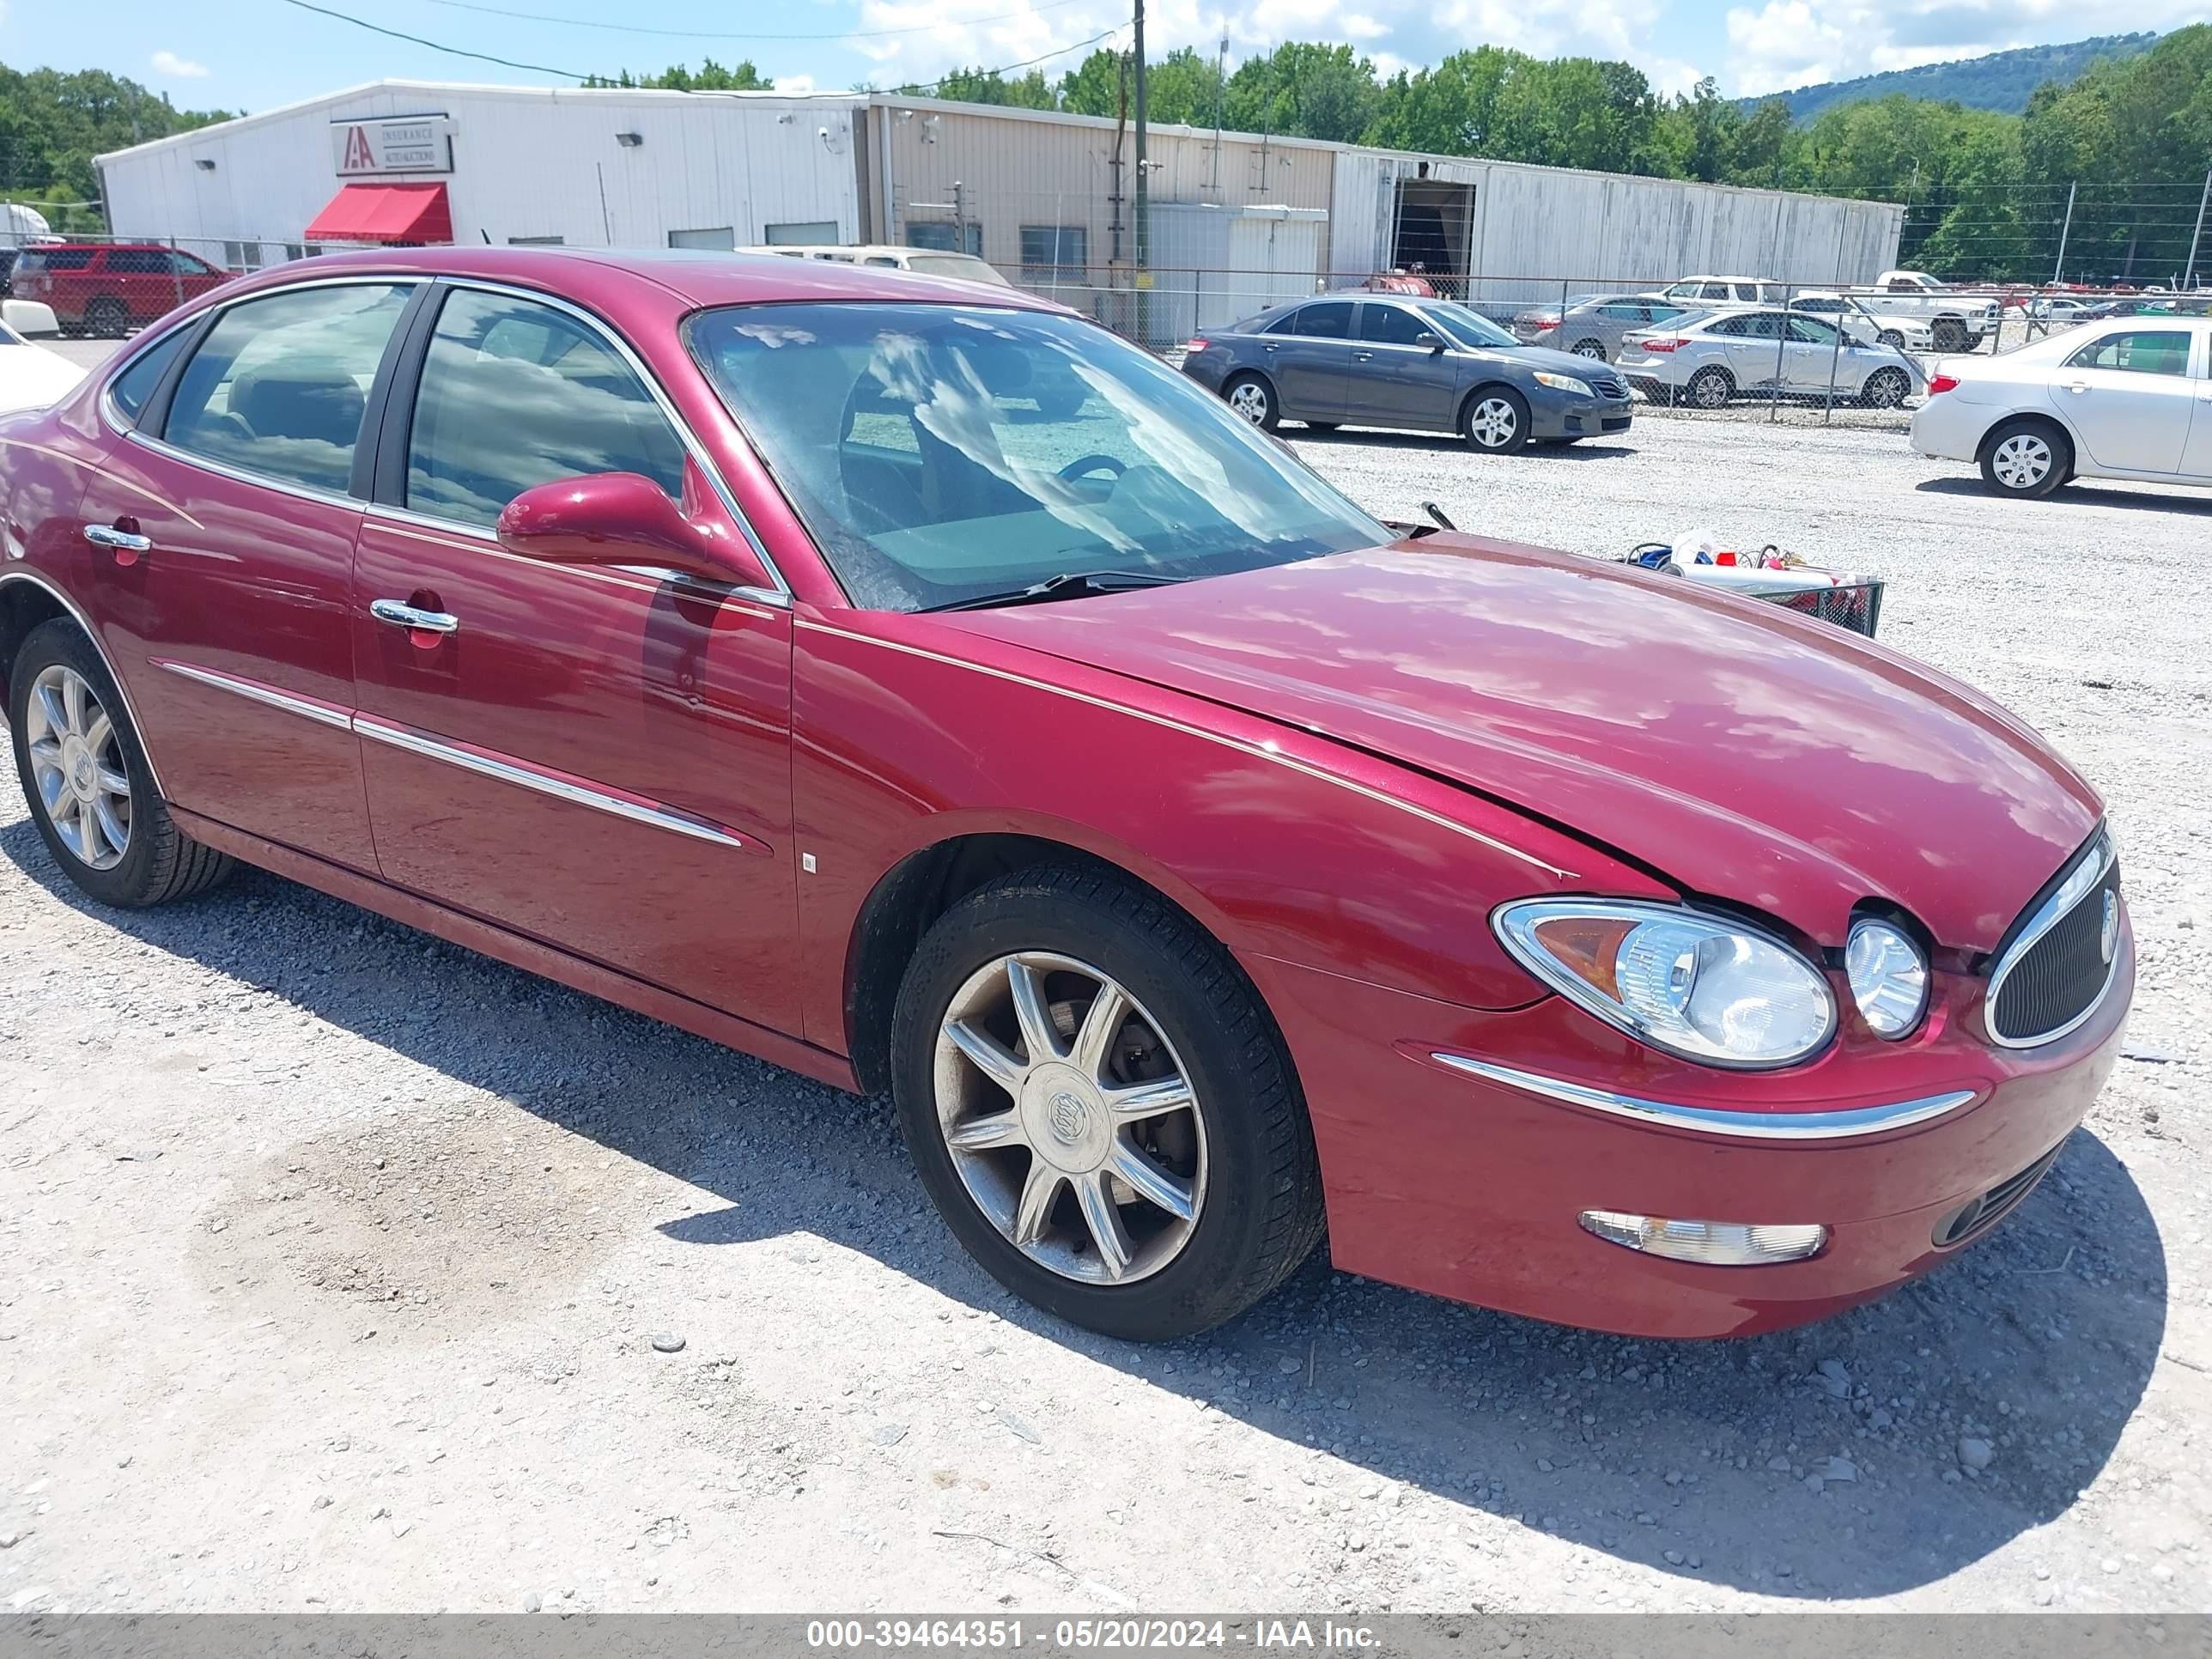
<point>2198,235</point>
<point>1220,82</point>
<point>2057,270</point>
<point>1144,218</point>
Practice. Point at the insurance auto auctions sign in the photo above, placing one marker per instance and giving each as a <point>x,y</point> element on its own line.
<point>400,143</point>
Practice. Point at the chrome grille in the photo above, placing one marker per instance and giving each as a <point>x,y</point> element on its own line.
<point>2061,956</point>
<point>1606,386</point>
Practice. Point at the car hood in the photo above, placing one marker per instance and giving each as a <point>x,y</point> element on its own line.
<point>1548,358</point>
<point>1738,751</point>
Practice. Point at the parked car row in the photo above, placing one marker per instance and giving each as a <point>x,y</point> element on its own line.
<point>1203,866</point>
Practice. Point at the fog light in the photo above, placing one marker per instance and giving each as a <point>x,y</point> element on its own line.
<point>1715,1243</point>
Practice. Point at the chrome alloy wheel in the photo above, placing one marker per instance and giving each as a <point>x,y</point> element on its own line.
<point>1492,422</point>
<point>2022,461</point>
<point>78,768</point>
<point>1070,1119</point>
<point>1249,400</point>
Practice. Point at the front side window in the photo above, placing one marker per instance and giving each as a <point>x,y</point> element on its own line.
<point>1811,331</point>
<point>1467,327</point>
<point>516,394</point>
<point>2141,351</point>
<point>1391,325</point>
<point>939,454</point>
<point>279,384</point>
<point>1330,319</point>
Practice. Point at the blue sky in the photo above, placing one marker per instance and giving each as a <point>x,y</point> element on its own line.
<point>254,54</point>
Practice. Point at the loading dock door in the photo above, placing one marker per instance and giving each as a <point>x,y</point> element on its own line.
<point>1431,224</point>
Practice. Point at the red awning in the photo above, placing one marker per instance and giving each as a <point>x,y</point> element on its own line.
<point>385,213</point>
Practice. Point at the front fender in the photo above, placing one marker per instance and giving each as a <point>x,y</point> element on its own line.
<point>1286,846</point>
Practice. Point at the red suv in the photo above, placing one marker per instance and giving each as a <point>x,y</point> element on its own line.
<point>99,288</point>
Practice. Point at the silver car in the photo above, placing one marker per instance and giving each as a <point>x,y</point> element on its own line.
<point>1706,360</point>
<point>1591,327</point>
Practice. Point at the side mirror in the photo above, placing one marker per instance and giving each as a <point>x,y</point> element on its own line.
<point>624,518</point>
<point>1435,342</point>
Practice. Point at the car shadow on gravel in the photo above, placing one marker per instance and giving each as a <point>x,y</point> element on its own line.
<point>1581,449</point>
<point>1875,1453</point>
<point>2180,500</point>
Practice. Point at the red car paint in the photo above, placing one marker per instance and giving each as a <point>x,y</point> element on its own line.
<point>1338,767</point>
<point>112,284</point>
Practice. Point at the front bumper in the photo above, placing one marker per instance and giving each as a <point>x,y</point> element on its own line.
<point>1470,1186</point>
<point>1566,416</point>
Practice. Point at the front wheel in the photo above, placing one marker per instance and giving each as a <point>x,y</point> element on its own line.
<point>2027,459</point>
<point>1100,1107</point>
<point>1251,399</point>
<point>1593,350</point>
<point>1891,339</point>
<point>1496,421</point>
<point>1949,334</point>
<point>86,780</point>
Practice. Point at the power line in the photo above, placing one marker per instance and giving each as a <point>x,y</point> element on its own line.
<point>455,51</point>
<point>719,34</point>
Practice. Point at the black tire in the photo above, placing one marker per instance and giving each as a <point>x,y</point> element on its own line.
<point>160,862</point>
<point>106,316</point>
<point>1260,1215</point>
<point>1710,388</point>
<point>2025,459</point>
<point>1886,388</point>
<point>1258,396</point>
<point>1948,334</point>
<point>1322,426</point>
<point>1891,339</point>
<point>1495,420</point>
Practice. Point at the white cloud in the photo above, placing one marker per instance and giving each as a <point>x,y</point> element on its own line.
<point>167,63</point>
<point>1359,25</point>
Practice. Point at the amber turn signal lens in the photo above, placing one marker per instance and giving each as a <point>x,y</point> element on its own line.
<point>1589,946</point>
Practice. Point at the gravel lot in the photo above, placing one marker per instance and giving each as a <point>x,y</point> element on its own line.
<point>335,1257</point>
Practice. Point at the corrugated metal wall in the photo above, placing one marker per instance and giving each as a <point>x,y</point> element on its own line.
<point>525,164</point>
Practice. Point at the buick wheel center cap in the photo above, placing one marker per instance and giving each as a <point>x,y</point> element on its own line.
<point>1067,1121</point>
<point>79,767</point>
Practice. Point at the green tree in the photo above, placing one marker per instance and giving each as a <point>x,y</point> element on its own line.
<point>1306,89</point>
<point>709,76</point>
<point>52,123</point>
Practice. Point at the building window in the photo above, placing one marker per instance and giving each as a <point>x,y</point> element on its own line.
<point>811,233</point>
<point>723,238</point>
<point>536,241</point>
<point>242,256</point>
<point>942,236</point>
<point>1060,251</point>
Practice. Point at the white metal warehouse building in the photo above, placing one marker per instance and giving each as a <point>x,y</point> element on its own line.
<point>1238,219</point>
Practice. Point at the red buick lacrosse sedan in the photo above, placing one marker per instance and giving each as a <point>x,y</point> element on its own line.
<point>913,684</point>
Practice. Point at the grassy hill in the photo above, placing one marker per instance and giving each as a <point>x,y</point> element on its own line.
<point>2002,81</point>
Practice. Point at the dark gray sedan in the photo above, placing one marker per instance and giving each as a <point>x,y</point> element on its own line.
<point>1421,365</point>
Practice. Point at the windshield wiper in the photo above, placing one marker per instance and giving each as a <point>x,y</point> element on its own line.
<point>1067,585</point>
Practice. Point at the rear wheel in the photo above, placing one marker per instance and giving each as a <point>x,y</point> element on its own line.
<point>1593,350</point>
<point>1711,388</point>
<point>2027,458</point>
<point>1252,399</point>
<point>1886,388</point>
<point>86,780</point>
<point>107,316</point>
<point>1100,1107</point>
<point>1496,420</point>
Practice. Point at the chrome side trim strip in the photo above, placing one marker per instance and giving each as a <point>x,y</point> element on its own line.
<point>2087,876</point>
<point>529,777</point>
<point>322,714</point>
<point>106,662</point>
<point>1705,1121</point>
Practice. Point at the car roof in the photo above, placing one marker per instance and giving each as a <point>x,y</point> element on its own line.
<point>697,276</point>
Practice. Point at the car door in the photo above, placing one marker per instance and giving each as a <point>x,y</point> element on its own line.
<point>597,756</point>
<point>1754,346</point>
<point>1815,351</point>
<point>2197,457</point>
<point>1311,359</point>
<point>2129,394</point>
<point>1398,376</point>
<point>220,530</point>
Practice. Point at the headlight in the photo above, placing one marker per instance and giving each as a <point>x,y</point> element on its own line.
<point>1698,986</point>
<point>1888,977</point>
<point>1564,383</point>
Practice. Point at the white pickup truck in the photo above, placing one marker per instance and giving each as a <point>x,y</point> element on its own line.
<point>1957,321</point>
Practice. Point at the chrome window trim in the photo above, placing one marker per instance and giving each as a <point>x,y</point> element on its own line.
<point>253,691</point>
<point>2098,861</point>
<point>123,429</point>
<point>530,777</point>
<point>83,622</point>
<point>1847,1124</point>
<point>674,416</point>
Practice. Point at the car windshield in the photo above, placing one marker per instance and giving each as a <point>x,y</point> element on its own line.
<point>1469,328</point>
<point>946,452</point>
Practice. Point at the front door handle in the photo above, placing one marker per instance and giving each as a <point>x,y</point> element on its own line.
<point>1363,355</point>
<point>2077,387</point>
<point>127,545</point>
<point>400,614</point>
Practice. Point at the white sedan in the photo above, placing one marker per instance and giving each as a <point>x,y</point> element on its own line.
<point>1704,361</point>
<point>2127,397</point>
<point>31,377</point>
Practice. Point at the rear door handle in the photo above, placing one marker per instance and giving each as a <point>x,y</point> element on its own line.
<point>126,545</point>
<point>400,614</point>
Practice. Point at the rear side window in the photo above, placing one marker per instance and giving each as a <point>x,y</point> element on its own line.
<point>135,384</point>
<point>1330,320</point>
<point>279,384</point>
<point>59,258</point>
<point>2141,351</point>
<point>1811,331</point>
<point>516,394</point>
